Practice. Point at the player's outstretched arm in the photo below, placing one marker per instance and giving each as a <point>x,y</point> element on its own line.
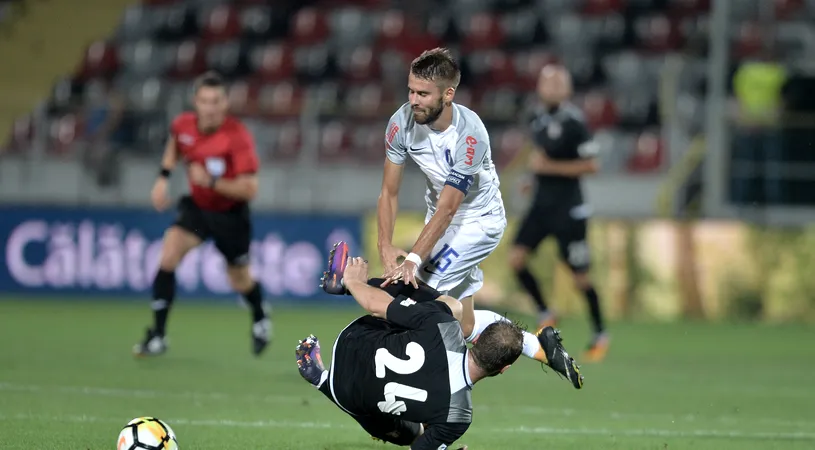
<point>386,208</point>
<point>371,299</point>
<point>158,195</point>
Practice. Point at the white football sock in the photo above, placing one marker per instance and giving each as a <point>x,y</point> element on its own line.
<point>484,318</point>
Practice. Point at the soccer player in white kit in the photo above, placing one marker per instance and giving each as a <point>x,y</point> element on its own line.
<point>465,212</point>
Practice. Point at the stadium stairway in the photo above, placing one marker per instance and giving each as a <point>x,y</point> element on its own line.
<point>48,42</point>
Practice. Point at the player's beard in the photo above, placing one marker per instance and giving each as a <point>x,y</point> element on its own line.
<point>431,115</point>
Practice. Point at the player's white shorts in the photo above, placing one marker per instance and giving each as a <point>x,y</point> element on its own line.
<point>452,268</point>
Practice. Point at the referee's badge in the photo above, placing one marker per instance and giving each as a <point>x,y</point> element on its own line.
<point>216,166</point>
<point>554,130</point>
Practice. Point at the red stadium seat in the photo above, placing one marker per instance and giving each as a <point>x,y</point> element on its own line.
<point>749,40</point>
<point>602,7</point>
<point>189,61</point>
<point>689,7</point>
<point>280,100</point>
<point>482,31</point>
<point>359,64</point>
<point>243,98</point>
<point>272,62</point>
<point>220,24</point>
<point>500,70</point>
<point>599,110</point>
<point>787,9</point>
<point>397,32</point>
<point>63,133</point>
<point>22,135</point>
<point>335,142</point>
<point>309,26</point>
<point>648,154</point>
<point>289,142</point>
<point>657,33</point>
<point>101,60</point>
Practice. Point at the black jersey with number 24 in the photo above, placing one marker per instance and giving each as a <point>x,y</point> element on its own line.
<point>412,365</point>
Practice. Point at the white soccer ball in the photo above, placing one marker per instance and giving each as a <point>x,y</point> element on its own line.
<point>146,433</point>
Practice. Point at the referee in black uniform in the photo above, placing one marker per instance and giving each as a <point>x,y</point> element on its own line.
<point>564,152</point>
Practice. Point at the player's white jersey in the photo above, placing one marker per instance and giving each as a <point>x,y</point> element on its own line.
<point>459,156</point>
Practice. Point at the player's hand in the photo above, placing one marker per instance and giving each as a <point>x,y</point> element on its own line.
<point>198,175</point>
<point>356,270</point>
<point>389,255</point>
<point>158,195</point>
<point>406,272</point>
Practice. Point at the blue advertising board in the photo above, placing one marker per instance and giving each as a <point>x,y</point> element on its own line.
<point>115,251</point>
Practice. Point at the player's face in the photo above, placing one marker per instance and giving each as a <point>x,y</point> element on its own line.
<point>210,105</point>
<point>426,99</point>
<point>554,86</point>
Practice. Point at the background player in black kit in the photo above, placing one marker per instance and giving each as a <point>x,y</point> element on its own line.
<point>404,372</point>
<point>564,152</point>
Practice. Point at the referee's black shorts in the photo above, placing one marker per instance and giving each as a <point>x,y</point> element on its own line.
<point>230,230</point>
<point>542,222</point>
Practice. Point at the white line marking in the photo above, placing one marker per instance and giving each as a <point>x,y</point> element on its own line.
<point>298,399</point>
<point>625,432</point>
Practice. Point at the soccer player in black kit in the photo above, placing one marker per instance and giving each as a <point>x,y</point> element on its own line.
<point>404,372</point>
<point>564,152</point>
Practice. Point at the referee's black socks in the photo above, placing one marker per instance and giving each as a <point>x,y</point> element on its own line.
<point>163,296</point>
<point>254,298</point>
<point>594,309</point>
<point>530,285</point>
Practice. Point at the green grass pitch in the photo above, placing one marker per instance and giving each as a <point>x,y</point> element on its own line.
<point>68,381</point>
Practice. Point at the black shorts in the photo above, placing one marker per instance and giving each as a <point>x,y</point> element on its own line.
<point>231,230</point>
<point>386,427</point>
<point>570,233</point>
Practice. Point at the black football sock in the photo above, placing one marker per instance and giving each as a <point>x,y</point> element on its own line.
<point>254,298</point>
<point>163,296</point>
<point>594,309</point>
<point>530,285</point>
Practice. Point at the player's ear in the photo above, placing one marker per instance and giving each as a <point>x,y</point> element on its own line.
<point>505,368</point>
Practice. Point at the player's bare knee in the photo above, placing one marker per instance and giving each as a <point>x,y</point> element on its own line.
<point>240,278</point>
<point>518,257</point>
<point>177,243</point>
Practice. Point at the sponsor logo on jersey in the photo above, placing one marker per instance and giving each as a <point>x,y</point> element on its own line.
<point>470,156</point>
<point>392,130</point>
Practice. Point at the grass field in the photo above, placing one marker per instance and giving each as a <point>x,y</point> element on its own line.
<point>68,381</point>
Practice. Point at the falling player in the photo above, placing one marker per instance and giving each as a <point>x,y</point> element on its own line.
<point>564,152</point>
<point>465,213</point>
<point>417,391</point>
<point>221,168</point>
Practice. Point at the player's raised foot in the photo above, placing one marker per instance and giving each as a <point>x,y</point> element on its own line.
<point>331,282</point>
<point>546,319</point>
<point>261,332</point>
<point>309,361</point>
<point>597,349</point>
<point>557,358</point>
<point>152,345</point>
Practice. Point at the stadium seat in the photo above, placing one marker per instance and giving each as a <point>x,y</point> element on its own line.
<point>614,149</point>
<point>335,142</point>
<point>308,27</point>
<point>323,98</point>
<point>599,110</point>
<point>657,33</point>
<point>144,58</point>
<point>242,97</point>
<point>289,142</point>
<point>481,31</point>
<point>528,66</point>
<point>313,63</point>
<point>146,95</point>
<point>175,23</point>
<point>364,100</point>
<point>220,24</point>
<point>368,143</point>
<point>499,104</point>
<point>101,60</point>
<point>608,32</point>
<point>508,143</point>
<point>282,100</point>
<point>634,108</point>
<point>358,64</point>
<point>351,27</point>
<point>749,40</point>
<point>602,7</point>
<point>689,7</point>
<point>138,22</point>
<point>272,62</point>
<point>22,135</point>
<point>63,132</point>
<point>648,154</point>
<point>256,24</point>
<point>188,61</point>
<point>229,59</point>
<point>788,9</point>
<point>152,134</point>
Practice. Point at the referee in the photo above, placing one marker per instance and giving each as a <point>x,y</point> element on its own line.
<point>564,152</point>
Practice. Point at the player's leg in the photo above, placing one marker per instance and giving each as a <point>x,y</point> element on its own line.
<point>187,233</point>
<point>575,251</point>
<point>232,234</point>
<point>534,229</point>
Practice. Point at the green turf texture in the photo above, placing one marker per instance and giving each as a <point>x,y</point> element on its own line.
<point>68,381</point>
